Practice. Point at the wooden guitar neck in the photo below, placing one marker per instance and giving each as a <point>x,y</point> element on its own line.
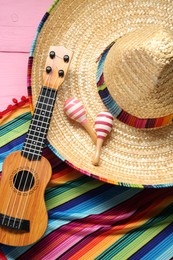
<point>26,173</point>
<point>36,136</point>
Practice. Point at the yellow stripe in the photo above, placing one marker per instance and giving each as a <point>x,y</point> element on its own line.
<point>13,114</point>
<point>63,179</point>
<point>102,87</point>
<point>139,242</point>
<point>116,234</point>
<point>16,132</point>
<point>71,194</point>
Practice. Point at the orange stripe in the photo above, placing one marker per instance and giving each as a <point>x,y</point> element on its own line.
<point>13,114</point>
<point>106,239</point>
<point>64,178</point>
<point>166,120</point>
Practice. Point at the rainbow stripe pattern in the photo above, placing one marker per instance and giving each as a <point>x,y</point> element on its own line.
<point>115,109</point>
<point>90,219</point>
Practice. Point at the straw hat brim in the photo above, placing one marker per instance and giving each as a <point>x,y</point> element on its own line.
<point>131,157</point>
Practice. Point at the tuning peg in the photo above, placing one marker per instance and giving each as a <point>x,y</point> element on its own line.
<point>103,126</point>
<point>75,110</point>
<point>48,69</point>
<point>52,54</point>
<point>61,73</point>
<point>66,58</point>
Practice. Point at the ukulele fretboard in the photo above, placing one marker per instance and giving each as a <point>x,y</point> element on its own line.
<point>36,136</point>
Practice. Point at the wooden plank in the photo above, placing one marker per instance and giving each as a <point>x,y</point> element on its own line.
<point>15,39</point>
<point>18,23</point>
<point>19,20</point>
<point>13,67</point>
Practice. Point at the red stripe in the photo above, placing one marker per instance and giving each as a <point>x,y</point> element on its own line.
<point>107,116</point>
<point>80,115</point>
<point>101,81</point>
<point>101,137</point>
<point>102,130</point>
<point>68,106</point>
<point>76,110</point>
<point>111,220</point>
<point>68,101</point>
<point>2,256</point>
<point>103,123</point>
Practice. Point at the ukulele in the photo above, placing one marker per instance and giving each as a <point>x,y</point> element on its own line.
<point>26,173</point>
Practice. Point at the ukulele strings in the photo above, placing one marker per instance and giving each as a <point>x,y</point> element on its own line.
<point>31,161</point>
<point>18,191</point>
<point>24,166</point>
<point>48,78</point>
<point>30,186</point>
<point>36,163</point>
<point>22,158</point>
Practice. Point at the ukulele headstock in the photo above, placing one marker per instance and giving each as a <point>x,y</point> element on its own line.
<point>56,67</point>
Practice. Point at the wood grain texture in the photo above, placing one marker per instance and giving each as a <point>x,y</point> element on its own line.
<point>13,75</point>
<point>18,24</point>
<point>28,205</point>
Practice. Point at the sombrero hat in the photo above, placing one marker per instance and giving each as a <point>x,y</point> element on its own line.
<point>123,60</point>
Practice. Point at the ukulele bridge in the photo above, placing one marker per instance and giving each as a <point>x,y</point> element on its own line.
<point>14,223</point>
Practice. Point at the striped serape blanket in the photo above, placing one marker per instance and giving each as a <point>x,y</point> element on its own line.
<point>89,219</point>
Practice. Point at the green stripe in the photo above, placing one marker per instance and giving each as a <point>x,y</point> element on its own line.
<point>102,87</point>
<point>18,131</point>
<point>134,240</point>
<point>52,6</point>
<point>52,192</point>
<point>71,194</point>
<point>10,126</point>
<point>139,242</point>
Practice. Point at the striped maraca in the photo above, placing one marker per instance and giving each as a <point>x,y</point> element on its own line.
<point>103,126</point>
<point>75,110</point>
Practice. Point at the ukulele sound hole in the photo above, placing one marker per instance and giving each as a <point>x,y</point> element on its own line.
<point>23,181</point>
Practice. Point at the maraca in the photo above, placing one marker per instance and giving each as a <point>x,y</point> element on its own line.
<point>75,110</point>
<point>103,126</point>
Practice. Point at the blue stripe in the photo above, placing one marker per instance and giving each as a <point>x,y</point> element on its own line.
<point>58,190</point>
<point>119,245</point>
<point>12,146</point>
<point>95,205</point>
<point>20,120</point>
<point>119,195</point>
<point>167,254</point>
<point>100,66</point>
<point>9,146</point>
<point>4,155</point>
<point>55,152</point>
<point>153,244</point>
<point>158,245</point>
<point>46,15</point>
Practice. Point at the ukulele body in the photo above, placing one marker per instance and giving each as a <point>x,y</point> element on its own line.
<point>23,214</point>
<point>26,173</point>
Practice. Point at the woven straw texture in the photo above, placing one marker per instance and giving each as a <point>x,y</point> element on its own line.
<point>129,156</point>
<point>138,72</point>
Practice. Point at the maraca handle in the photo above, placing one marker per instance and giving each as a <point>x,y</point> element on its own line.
<point>90,131</point>
<point>96,157</point>
<point>103,126</point>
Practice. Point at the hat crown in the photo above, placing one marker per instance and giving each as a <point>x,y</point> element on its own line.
<point>138,72</point>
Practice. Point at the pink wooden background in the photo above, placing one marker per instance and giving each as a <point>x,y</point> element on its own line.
<point>18,23</point>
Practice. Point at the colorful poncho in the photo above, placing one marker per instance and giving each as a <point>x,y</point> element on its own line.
<point>90,219</point>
